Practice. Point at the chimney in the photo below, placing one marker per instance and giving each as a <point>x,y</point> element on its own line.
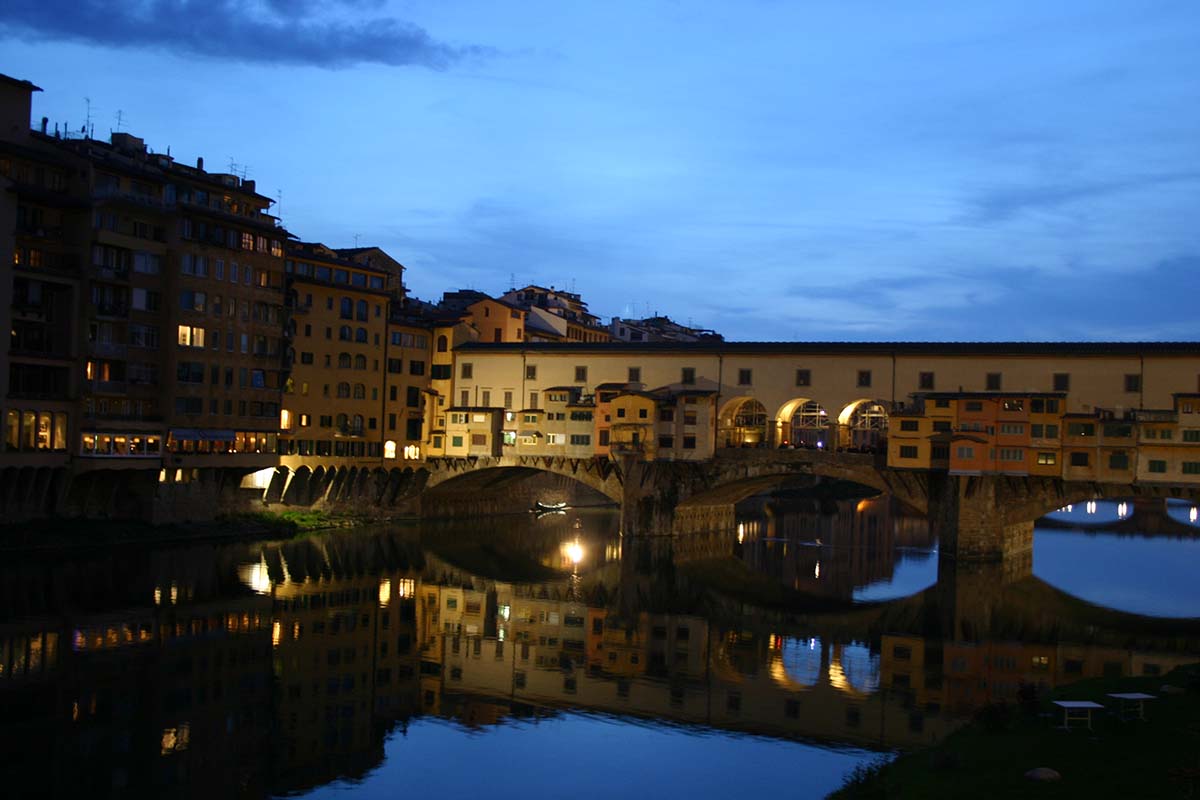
<point>45,122</point>
<point>200,163</point>
<point>248,185</point>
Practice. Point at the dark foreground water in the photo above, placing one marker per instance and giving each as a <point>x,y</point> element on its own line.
<point>523,657</point>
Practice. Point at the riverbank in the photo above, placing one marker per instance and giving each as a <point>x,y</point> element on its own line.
<point>70,534</point>
<point>1156,758</point>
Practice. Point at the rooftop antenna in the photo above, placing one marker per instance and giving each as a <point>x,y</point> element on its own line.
<point>279,204</point>
<point>512,281</point>
<point>88,120</point>
<point>356,241</point>
<point>120,116</point>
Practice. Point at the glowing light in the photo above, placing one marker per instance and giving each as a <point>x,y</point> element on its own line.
<point>256,577</point>
<point>285,419</point>
<point>385,592</point>
<point>817,570</point>
<point>412,452</point>
<point>741,532</point>
<point>174,593</point>
<point>389,449</point>
<point>158,595</point>
<point>575,552</point>
<point>276,633</point>
<point>1123,510</point>
<point>1192,514</point>
<point>1091,507</point>
<point>259,480</point>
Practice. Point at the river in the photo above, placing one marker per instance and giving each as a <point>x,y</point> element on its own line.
<point>527,656</point>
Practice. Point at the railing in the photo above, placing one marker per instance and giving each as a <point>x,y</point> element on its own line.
<point>112,309</point>
<point>108,349</point>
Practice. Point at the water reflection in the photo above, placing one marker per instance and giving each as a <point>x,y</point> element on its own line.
<point>248,670</point>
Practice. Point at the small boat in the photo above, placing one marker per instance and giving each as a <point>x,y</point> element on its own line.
<point>541,507</point>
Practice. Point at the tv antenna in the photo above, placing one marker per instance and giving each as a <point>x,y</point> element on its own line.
<point>356,241</point>
<point>87,125</point>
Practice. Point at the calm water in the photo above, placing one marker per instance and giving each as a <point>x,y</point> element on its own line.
<point>523,657</point>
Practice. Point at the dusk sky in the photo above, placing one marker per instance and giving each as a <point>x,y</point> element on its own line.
<point>770,169</point>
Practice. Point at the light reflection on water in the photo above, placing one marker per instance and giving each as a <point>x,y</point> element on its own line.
<point>452,659</point>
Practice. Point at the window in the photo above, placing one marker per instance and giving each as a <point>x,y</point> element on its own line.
<point>803,377</point>
<point>416,367</point>
<point>1133,383</point>
<point>1079,459</point>
<point>635,374</point>
<point>531,372</point>
<point>1118,460</point>
<point>581,374</point>
<point>1012,454</point>
<point>1157,465</point>
<point>508,399</point>
<point>1062,381</point>
<point>687,376</point>
<point>533,399</point>
<point>973,405</point>
<point>1081,429</point>
<point>1047,459</point>
<point>666,442</point>
<point>745,377</point>
<point>466,371</point>
<point>1191,468</point>
<point>925,380</point>
<point>910,425</point>
<point>908,451</point>
<point>941,426</point>
<point>689,443</point>
<point>1012,428</point>
<point>964,452</point>
<point>1191,435</point>
<point>191,337</point>
<point>993,381</point>
<point>485,398</point>
<point>864,377</point>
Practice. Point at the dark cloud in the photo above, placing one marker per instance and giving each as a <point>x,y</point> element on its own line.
<point>273,32</point>
<point>1000,205</point>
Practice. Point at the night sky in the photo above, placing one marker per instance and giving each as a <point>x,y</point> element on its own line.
<point>774,170</point>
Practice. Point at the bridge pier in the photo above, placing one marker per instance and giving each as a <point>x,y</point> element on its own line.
<point>972,517</point>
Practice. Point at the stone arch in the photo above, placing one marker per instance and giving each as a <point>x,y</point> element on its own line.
<point>297,491</point>
<point>743,422</point>
<point>804,422</point>
<point>597,474</point>
<point>863,425</point>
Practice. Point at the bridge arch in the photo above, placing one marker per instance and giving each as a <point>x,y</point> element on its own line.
<point>863,424</point>
<point>743,422</point>
<point>803,422</point>
<point>600,475</point>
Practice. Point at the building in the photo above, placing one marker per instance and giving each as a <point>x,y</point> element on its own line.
<point>556,315</point>
<point>659,329</point>
<point>335,402</point>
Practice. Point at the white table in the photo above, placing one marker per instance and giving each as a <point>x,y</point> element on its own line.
<point>1077,711</point>
<point>1133,704</point>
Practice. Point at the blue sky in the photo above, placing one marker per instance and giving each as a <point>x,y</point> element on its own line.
<point>774,170</point>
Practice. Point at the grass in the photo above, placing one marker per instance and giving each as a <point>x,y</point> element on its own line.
<point>1159,758</point>
<point>70,533</point>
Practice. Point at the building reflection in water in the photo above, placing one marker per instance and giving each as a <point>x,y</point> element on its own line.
<point>831,547</point>
<point>251,670</point>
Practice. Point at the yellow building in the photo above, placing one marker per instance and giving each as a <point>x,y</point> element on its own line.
<point>335,403</point>
<point>406,387</point>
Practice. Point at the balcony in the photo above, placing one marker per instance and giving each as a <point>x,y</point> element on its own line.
<point>108,349</point>
<point>113,194</point>
<point>114,310</point>
<point>106,387</point>
<point>107,273</point>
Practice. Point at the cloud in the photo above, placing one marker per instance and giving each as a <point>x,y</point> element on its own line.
<point>271,32</point>
<point>1000,205</point>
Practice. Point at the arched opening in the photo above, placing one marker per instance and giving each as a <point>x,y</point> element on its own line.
<point>803,422</point>
<point>864,425</point>
<point>443,344</point>
<point>743,422</point>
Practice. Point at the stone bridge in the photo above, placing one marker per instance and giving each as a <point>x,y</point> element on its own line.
<point>982,517</point>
